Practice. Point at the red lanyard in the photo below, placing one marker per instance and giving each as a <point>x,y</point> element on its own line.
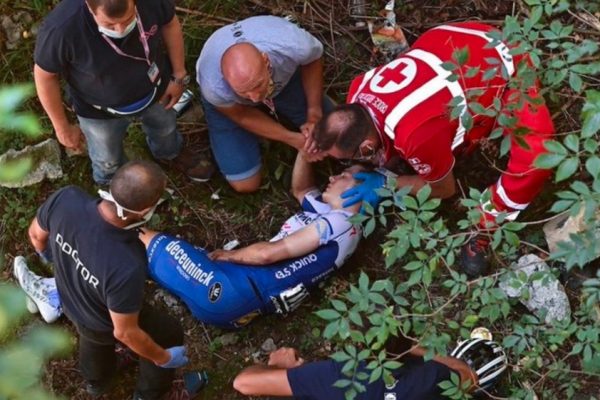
<point>142,39</point>
<point>268,101</point>
<point>271,106</point>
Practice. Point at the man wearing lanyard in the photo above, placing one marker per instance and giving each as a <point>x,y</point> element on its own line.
<point>112,55</point>
<point>261,61</point>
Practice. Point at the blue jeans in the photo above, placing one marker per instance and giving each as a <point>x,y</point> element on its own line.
<point>105,139</point>
<point>236,150</point>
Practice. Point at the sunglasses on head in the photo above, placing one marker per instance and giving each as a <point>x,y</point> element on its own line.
<point>359,156</point>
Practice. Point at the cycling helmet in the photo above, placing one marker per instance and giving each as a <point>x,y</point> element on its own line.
<point>485,357</point>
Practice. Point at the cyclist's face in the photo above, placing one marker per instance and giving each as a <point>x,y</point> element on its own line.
<point>338,184</point>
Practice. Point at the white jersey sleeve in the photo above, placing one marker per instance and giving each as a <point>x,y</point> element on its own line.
<point>335,227</point>
<point>331,226</point>
<point>313,202</point>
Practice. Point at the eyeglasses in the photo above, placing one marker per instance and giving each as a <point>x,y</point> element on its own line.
<point>359,156</point>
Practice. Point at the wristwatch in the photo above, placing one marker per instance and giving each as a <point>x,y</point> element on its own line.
<point>181,81</point>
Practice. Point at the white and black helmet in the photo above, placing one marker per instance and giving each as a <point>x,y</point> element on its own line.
<point>485,357</point>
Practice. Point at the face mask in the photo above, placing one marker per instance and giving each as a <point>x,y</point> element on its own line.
<point>121,210</point>
<point>118,35</point>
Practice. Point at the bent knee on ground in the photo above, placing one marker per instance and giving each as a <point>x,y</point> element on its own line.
<point>239,384</point>
<point>248,185</point>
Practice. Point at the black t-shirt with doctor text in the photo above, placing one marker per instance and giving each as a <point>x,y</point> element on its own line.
<point>97,265</point>
<point>70,44</point>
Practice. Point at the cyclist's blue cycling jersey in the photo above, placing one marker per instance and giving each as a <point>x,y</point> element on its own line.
<point>230,295</point>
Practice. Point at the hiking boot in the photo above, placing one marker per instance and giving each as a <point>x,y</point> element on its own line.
<point>42,292</point>
<point>473,256</point>
<point>194,381</point>
<point>195,166</point>
<point>97,390</point>
<point>183,389</point>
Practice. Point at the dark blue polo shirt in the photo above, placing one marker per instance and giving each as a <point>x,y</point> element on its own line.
<point>416,380</point>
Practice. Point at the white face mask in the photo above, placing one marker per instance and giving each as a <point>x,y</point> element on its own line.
<point>118,35</point>
<point>120,210</point>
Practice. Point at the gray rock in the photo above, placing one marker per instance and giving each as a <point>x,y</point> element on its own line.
<point>45,163</point>
<point>22,17</point>
<point>540,292</point>
<point>15,28</point>
<point>169,300</point>
<point>596,313</point>
<point>559,229</point>
<point>268,346</point>
<point>256,357</point>
<point>227,339</point>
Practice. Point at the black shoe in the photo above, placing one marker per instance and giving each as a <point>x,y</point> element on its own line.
<point>473,256</point>
<point>202,171</point>
<point>194,381</point>
<point>97,390</point>
<point>197,167</point>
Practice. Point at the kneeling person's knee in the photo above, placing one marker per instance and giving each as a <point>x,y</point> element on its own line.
<point>248,185</point>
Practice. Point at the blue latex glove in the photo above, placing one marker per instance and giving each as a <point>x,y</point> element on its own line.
<point>178,357</point>
<point>366,191</point>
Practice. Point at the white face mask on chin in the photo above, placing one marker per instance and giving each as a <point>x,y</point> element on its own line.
<point>118,35</point>
<point>120,210</point>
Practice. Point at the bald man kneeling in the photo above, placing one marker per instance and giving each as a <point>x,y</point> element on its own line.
<point>251,73</point>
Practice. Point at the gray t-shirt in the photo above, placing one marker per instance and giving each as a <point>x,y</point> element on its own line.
<point>287,46</point>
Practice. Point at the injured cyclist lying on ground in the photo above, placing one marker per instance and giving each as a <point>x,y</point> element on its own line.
<point>230,288</point>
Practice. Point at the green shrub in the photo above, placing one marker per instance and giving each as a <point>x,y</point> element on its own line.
<point>436,303</point>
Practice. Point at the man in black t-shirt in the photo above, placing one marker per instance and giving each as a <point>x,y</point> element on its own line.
<point>478,362</point>
<point>120,59</point>
<point>100,269</point>
<point>287,375</point>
